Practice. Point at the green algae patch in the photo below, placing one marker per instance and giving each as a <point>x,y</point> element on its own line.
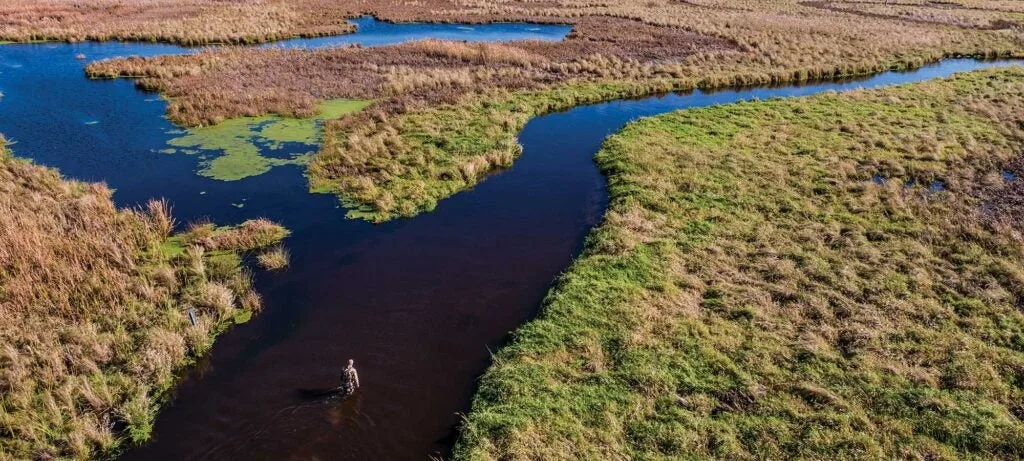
<point>248,146</point>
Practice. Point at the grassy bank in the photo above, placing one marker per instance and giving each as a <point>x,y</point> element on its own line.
<point>834,276</point>
<point>95,304</point>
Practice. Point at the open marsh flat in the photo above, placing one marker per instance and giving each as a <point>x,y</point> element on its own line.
<point>419,303</point>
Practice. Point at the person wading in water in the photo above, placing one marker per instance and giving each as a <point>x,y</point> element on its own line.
<point>349,379</point>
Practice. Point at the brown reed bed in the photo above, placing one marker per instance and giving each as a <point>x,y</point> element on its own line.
<point>190,22</point>
<point>94,311</point>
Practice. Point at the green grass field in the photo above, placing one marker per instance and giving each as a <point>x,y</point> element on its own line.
<point>810,277</point>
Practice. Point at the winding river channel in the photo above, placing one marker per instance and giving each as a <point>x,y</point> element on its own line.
<point>418,303</point>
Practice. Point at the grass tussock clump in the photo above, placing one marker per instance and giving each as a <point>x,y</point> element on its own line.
<point>274,259</point>
<point>94,304</point>
<point>251,235</point>
<point>784,279</point>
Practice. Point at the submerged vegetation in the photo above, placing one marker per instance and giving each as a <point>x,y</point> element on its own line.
<point>783,279</point>
<point>242,143</point>
<point>96,304</point>
<point>448,111</point>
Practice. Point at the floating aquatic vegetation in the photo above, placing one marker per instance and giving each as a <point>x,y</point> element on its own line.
<point>250,146</point>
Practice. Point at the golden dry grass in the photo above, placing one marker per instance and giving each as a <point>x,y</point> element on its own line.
<point>93,312</point>
<point>190,22</point>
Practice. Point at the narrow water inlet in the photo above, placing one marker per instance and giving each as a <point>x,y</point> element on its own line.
<point>417,302</point>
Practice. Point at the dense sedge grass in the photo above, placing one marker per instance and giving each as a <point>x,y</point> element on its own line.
<point>754,293</point>
<point>93,310</point>
<point>387,167</point>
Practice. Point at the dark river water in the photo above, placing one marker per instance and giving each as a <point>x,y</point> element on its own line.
<point>418,303</point>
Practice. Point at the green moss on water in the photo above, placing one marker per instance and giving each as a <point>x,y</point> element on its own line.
<point>242,142</point>
<point>298,130</point>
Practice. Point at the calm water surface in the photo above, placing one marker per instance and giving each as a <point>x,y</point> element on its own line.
<point>416,302</point>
